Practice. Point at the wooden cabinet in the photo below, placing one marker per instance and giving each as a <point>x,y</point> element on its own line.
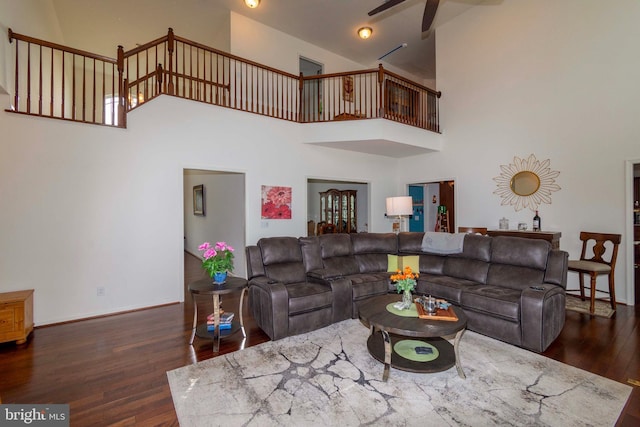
<point>16,316</point>
<point>338,207</point>
<point>552,237</point>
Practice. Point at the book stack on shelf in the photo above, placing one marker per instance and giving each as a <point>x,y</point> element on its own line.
<point>225,322</point>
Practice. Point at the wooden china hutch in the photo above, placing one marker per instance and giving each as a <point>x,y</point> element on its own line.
<point>338,207</point>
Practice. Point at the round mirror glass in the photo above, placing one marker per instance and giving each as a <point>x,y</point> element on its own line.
<point>525,183</point>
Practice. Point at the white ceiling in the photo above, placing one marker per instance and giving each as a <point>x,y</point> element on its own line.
<point>332,25</point>
<point>100,25</point>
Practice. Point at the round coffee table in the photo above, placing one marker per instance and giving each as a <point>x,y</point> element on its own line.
<point>392,337</point>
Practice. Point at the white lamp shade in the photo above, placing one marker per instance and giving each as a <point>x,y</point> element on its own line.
<point>402,205</point>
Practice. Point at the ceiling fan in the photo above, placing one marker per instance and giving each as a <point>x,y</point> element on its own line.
<point>427,17</point>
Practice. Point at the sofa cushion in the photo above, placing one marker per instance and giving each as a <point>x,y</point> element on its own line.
<point>372,263</point>
<point>311,253</point>
<point>447,287</point>
<point>368,284</point>
<point>432,264</point>
<point>477,247</point>
<point>382,243</point>
<point>337,254</point>
<point>282,259</point>
<point>336,244</point>
<point>496,301</point>
<point>532,253</point>
<point>512,277</point>
<point>470,269</point>
<point>305,296</point>
<point>410,242</point>
<point>279,249</point>
<point>286,272</point>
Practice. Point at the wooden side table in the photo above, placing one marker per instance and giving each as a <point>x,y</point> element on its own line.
<point>16,316</point>
<point>206,287</point>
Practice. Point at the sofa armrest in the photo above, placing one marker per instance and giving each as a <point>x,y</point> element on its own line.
<point>325,274</point>
<point>542,315</point>
<point>342,296</point>
<point>269,303</point>
<point>557,267</point>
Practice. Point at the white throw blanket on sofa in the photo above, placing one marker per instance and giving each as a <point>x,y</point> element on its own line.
<point>443,243</point>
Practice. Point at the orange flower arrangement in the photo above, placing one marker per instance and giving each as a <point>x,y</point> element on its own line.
<point>405,279</point>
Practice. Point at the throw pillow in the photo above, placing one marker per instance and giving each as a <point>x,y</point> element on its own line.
<point>392,263</point>
<point>395,263</point>
<point>412,261</point>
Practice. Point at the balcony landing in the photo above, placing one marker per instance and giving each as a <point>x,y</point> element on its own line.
<point>375,136</point>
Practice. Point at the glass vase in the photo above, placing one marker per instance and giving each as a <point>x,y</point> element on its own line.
<point>407,300</point>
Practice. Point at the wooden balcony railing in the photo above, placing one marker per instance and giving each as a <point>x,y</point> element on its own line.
<point>57,81</point>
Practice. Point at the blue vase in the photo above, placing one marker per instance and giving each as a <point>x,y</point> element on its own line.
<point>219,278</point>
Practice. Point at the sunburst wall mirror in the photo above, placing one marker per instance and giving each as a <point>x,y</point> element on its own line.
<point>526,183</point>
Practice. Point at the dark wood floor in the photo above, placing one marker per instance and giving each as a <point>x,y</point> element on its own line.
<point>111,370</point>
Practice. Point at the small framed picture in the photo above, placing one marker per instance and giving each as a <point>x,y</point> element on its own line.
<point>198,200</point>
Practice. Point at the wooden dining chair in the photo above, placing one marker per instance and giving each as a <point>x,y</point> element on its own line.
<point>473,230</point>
<point>598,257</point>
<point>328,229</point>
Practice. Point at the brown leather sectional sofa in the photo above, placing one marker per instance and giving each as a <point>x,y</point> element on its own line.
<point>510,288</point>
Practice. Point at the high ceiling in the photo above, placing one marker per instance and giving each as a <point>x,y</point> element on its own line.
<point>100,25</point>
<point>332,25</point>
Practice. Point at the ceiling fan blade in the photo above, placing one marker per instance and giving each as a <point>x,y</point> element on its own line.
<point>389,4</point>
<point>429,13</point>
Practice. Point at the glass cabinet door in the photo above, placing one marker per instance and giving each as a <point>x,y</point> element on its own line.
<point>339,208</point>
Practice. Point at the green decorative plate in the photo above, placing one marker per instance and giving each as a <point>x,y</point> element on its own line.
<point>410,312</point>
<point>407,349</point>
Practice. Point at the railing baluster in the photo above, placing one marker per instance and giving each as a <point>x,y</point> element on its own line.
<point>40,81</point>
<point>51,103</point>
<point>28,78</point>
<point>16,106</point>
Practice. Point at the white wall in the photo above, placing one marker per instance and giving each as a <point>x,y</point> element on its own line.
<point>92,206</point>
<point>224,214</point>
<point>35,18</point>
<point>558,79</point>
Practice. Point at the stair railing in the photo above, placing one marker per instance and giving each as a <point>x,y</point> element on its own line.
<point>60,82</point>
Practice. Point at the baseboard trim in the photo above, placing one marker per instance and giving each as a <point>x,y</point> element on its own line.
<point>100,316</point>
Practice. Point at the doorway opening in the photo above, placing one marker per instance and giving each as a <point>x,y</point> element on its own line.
<point>427,197</point>
<point>311,91</point>
<point>354,212</point>
<point>214,211</point>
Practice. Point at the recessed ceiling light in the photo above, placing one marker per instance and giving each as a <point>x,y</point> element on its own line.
<point>252,3</point>
<point>365,32</point>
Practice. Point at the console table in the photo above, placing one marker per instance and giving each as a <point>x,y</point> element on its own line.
<point>552,237</point>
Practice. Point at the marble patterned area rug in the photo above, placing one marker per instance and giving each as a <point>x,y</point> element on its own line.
<point>601,308</point>
<point>328,378</point>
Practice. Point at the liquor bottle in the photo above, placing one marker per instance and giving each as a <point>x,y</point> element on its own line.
<point>536,222</point>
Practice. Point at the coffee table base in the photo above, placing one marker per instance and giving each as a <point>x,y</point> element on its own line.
<point>380,345</point>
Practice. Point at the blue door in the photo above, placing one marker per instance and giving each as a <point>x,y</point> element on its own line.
<point>416,222</point>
